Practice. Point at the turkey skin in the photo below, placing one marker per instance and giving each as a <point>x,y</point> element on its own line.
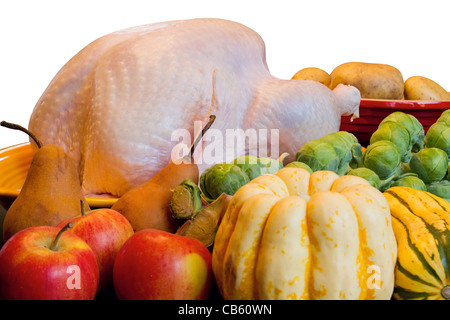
<point>131,100</point>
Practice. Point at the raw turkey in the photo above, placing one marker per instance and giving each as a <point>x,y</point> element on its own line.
<point>130,100</point>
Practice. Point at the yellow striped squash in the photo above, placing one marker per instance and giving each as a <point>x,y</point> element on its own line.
<point>295,235</point>
<point>421,223</point>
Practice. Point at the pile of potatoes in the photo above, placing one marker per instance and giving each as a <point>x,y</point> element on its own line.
<point>376,81</point>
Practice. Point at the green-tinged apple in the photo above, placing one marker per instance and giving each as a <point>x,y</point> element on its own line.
<point>158,265</point>
<point>47,263</point>
<point>105,231</point>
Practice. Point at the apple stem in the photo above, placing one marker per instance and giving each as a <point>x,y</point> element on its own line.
<point>18,127</point>
<point>54,243</point>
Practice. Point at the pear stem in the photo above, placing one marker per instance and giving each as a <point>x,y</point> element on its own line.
<point>18,127</point>
<point>55,241</point>
<point>83,210</point>
<point>200,136</point>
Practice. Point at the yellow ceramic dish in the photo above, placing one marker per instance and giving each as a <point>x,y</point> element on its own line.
<point>14,164</point>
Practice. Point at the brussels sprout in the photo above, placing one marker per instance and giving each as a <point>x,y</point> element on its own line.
<point>397,134</point>
<point>250,165</point>
<point>430,164</point>
<point>222,178</point>
<point>318,155</point>
<point>414,127</point>
<point>445,117</point>
<point>297,164</point>
<point>186,200</point>
<point>438,136</point>
<point>345,145</point>
<point>440,189</point>
<point>254,166</point>
<point>204,224</point>
<point>383,157</point>
<point>367,174</point>
<point>410,181</point>
<point>357,157</point>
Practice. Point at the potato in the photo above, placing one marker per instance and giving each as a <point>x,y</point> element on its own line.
<point>421,88</point>
<point>313,73</point>
<point>374,80</point>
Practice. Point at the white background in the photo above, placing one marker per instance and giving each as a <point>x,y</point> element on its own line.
<point>38,37</point>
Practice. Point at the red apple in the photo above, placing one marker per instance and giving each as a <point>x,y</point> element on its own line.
<point>105,231</point>
<point>46,263</point>
<point>158,265</point>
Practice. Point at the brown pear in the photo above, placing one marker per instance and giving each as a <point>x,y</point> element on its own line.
<point>50,194</point>
<point>148,205</point>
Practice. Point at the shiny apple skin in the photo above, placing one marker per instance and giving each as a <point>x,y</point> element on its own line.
<point>105,231</point>
<point>158,265</point>
<point>30,270</point>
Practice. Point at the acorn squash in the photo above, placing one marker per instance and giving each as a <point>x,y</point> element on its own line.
<point>296,235</point>
<point>421,223</point>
